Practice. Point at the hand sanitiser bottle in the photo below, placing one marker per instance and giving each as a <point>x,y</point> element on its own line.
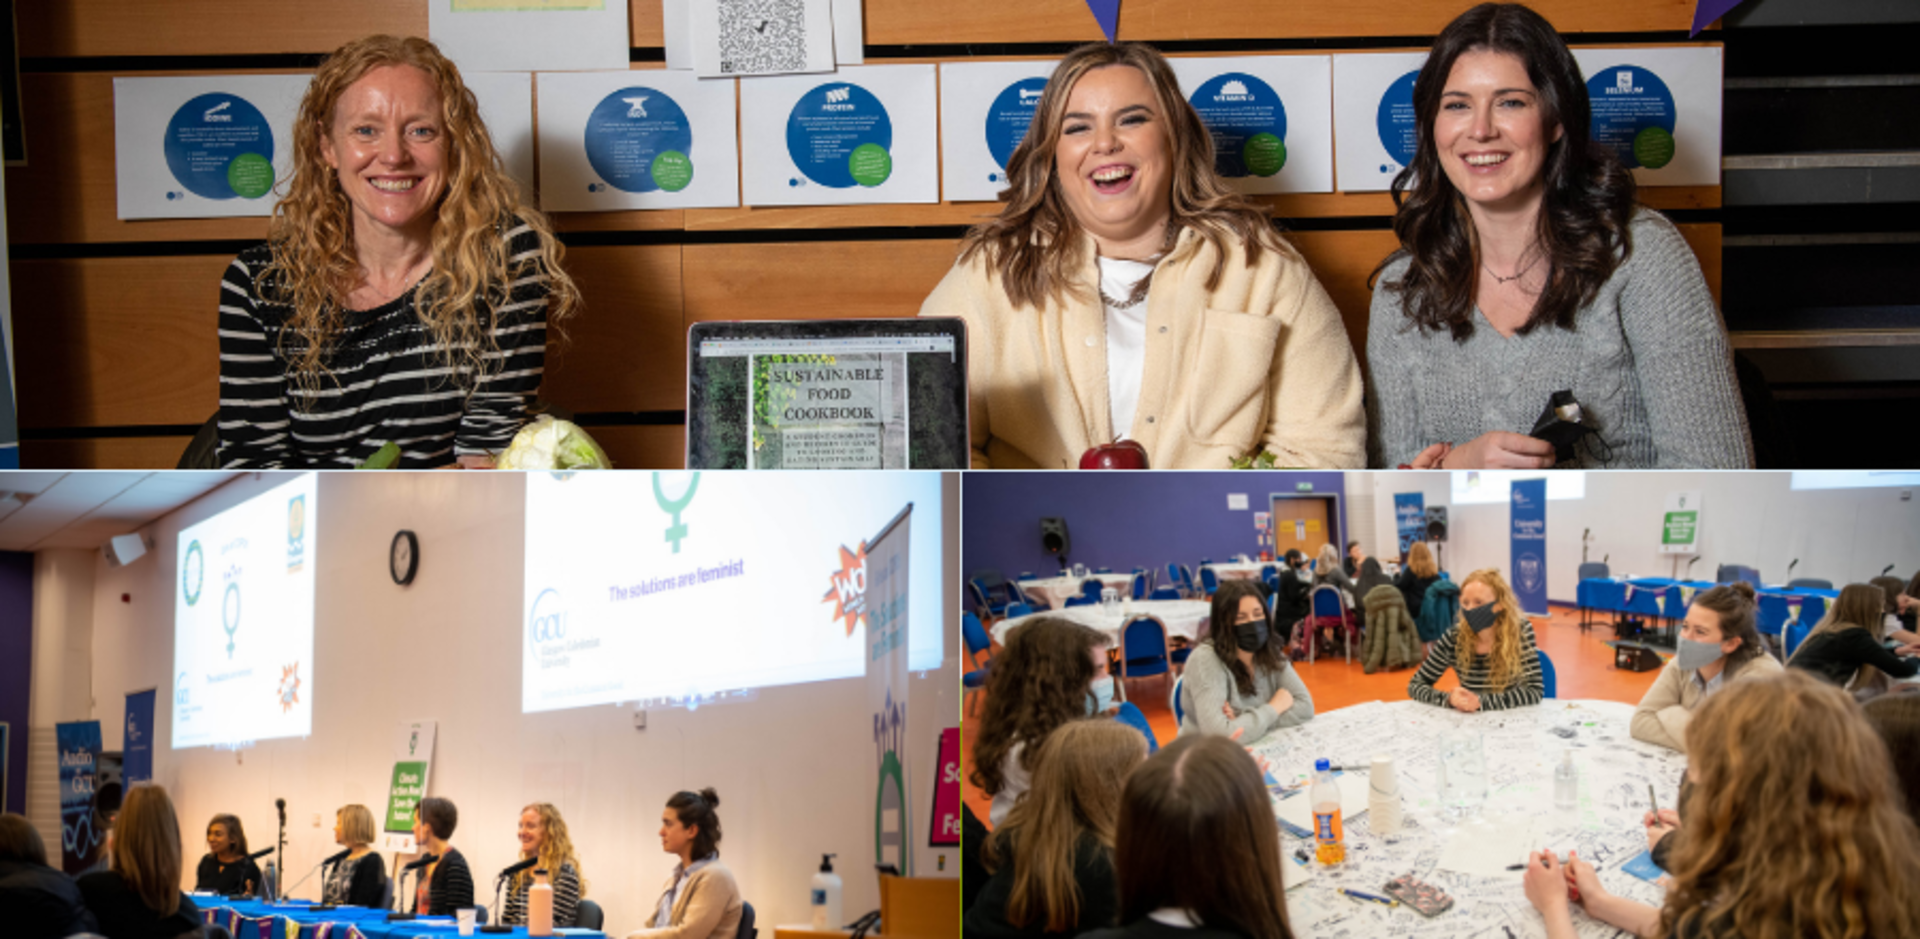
<point>826,896</point>
<point>1331,846</point>
<point>1566,783</point>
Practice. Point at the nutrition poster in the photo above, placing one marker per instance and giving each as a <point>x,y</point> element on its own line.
<point>863,135</point>
<point>1271,118</point>
<point>1658,110</point>
<point>985,109</point>
<point>1373,117</point>
<point>651,139</point>
<point>202,147</point>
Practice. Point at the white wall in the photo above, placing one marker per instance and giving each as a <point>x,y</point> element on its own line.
<point>1751,518</point>
<point>793,767</point>
<point>63,600</point>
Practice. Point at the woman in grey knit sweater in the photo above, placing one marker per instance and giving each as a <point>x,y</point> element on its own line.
<point>1239,678</point>
<point>1525,268</point>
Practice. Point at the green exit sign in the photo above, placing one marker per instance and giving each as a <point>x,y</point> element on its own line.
<point>1302,487</point>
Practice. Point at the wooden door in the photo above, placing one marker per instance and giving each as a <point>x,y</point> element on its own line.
<point>1304,524</point>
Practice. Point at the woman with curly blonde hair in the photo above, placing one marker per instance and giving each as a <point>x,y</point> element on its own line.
<point>1125,291</point>
<point>1492,649</point>
<point>406,285</point>
<point>1794,828</point>
<point>544,840</point>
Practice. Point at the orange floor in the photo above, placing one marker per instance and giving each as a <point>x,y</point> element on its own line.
<point>1583,666</point>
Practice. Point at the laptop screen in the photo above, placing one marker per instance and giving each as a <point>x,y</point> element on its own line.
<point>827,394</point>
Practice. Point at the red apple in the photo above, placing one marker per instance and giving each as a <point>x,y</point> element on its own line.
<point>1120,454</point>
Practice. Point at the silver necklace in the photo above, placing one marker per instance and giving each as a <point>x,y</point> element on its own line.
<point>1516,274</point>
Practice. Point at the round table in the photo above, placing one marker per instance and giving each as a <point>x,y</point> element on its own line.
<point>1056,591</point>
<point>1522,747</point>
<point>1238,570</point>
<point>1183,618</point>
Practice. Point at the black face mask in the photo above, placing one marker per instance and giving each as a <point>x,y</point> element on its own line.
<point>1480,617</point>
<point>1250,636</point>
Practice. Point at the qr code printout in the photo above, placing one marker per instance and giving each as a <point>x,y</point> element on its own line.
<point>759,36</point>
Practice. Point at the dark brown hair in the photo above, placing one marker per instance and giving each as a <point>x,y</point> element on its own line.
<point>1896,715</point>
<point>696,810</point>
<point>235,833</point>
<point>146,848</point>
<point>1733,603</point>
<point>1196,832</point>
<point>20,841</point>
<point>1893,587</point>
<point>1226,646</point>
<point>440,815</point>
<point>1038,682</point>
<point>1034,244</point>
<point>1584,212</point>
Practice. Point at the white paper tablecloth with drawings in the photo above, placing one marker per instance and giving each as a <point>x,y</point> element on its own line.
<point>1522,748</point>
<point>1183,618</point>
<point>1056,591</point>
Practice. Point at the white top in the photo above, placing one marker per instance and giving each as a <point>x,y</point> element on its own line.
<point>1014,783</point>
<point>1126,340</point>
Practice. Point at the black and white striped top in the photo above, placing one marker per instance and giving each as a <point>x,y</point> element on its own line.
<point>1528,687</point>
<point>566,899</point>
<point>388,382</point>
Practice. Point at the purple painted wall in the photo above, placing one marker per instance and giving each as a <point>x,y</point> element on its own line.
<point>1121,519</point>
<point>16,668</point>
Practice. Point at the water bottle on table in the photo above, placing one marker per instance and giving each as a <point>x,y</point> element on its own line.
<point>1463,773</point>
<point>1330,845</point>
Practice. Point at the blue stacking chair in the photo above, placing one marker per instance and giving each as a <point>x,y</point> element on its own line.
<point>1186,581</point>
<point>1131,716</point>
<point>1173,576</point>
<point>1092,588</point>
<point>1082,600</point>
<point>1209,581</point>
<point>1019,609</point>
<point>1548,684</point>
<point>1812,611</point>
<point>1143,649</point>
<point>1164,593</point>
<point>1179,708</point>
<point>983,602</point>
<point>1796,634</point>
<point>978,642</point>
<point>1772,617</point>
<point>1329,602</point>
<point>1140,585</point>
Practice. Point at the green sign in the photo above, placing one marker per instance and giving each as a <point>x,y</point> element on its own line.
<point>406,792</point>
<point>1680,527</point>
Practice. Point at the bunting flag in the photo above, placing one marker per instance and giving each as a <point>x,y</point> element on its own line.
<point>1107,13</point>
<point>1704,12</point>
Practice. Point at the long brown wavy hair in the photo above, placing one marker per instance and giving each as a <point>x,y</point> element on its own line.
<point>1505,664</point>
<point>1860,606</point>
<point>1038,682</point>
<point>1226,645</point>
<point>1076,793</point>
<point>315,265</point>
<point>1794,827</point>
<point>555,849</point>
<point>1034,245</point>
<point>1584,214</point>
<point>146,848</point>
<point>1196,832</point>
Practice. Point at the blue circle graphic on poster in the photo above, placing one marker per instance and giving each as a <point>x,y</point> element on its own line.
<point>1399,130</point>
<point>629,130</point>
<point>829,124</point>
<point>1633,115</point>
<point>1010,115</point>
<point>1247,121</point>
<point>219,147</point>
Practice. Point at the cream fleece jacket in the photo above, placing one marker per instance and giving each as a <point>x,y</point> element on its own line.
<point>1262,361</point>
<point>1664,713</point>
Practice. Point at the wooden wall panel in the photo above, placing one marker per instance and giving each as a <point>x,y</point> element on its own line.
<point>813,281</point>
<point>117,341</point>
<point>906,22</point>
<point>1341,260</point>
<point>626,351</point>
<point>104,453</point>
<point>643,447</point>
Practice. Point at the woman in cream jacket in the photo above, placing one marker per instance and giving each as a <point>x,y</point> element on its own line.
<point>701,899</point>
<point>1125,291</point>
<point>1718,643</point>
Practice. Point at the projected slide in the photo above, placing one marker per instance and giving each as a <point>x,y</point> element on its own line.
<point>243,621</point>
<point>1471,487</point>
<point>1853,479</point>
<point>643,586</point>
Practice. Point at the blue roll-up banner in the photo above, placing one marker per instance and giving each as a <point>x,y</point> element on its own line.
<point>1410,517</point>
<point>79,745</point>
<point>1529,519</point>
<point>137,752</point>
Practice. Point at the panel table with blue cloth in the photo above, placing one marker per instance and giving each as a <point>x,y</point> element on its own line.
<point>253,919</point>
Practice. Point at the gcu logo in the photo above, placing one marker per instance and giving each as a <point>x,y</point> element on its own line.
<point>636,106</point>
<point>548,621</point>
<point>1529,573</point>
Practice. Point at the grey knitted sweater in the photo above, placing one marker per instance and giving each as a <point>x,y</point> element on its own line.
<point>1648,361</point>
<point>1207,684</point>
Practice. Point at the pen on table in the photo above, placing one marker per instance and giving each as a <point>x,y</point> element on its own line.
<point>1653,799</point>
<point>1358,895</point>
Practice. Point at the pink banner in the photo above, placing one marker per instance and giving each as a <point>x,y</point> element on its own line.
<point>946,792</point>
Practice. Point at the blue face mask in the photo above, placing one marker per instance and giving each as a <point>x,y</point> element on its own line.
<point>1100,696</point>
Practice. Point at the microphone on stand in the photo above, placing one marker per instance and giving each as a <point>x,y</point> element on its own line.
<point>257,855</point>
<point>498,883</point>
<point>399,892</point>
<point>336,858</point>
<point>1885,570</point>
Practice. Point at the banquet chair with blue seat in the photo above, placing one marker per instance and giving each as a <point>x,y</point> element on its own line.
<point>588,915</point>
<point>1131,715</point>
<point>1173,701</point>
<point>1081,600</point>
<point>1549,685</point>
<point>1187,581</point>
<point>1329,603</point>
<point>1140,585</point>
<point>1796,634</point>
<point>1770,620</point>
<point>1092,588</point>
<point>1143,649</point>
<point>1730,573</point>
<point>983,602</point>
<point>1812,611</point>
<point>1173,576</point>
<point>1209,581</point>
<point>1019,609</point>
<point>1164,593</point>
<point>977,642</point>
<point>1591,570</point>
